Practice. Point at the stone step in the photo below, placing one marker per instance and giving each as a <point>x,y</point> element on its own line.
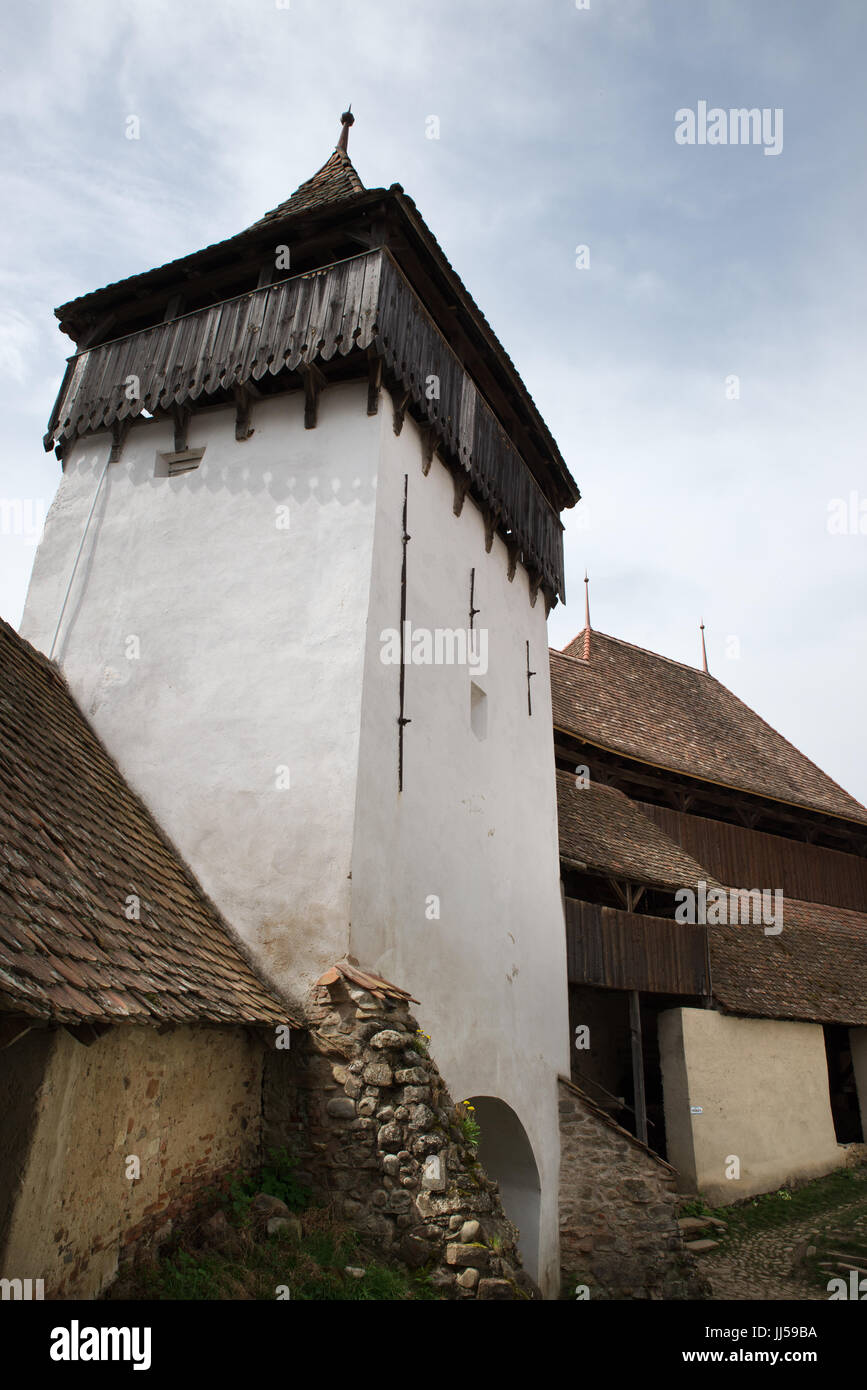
<point>693,1223</point>
<point>700,1247</point>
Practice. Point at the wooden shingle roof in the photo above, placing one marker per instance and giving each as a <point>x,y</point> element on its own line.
<point>333,183</point>
<point>678,718</point>
<point>77,846</point>
<point>603,830</point>
<point>814,970</point>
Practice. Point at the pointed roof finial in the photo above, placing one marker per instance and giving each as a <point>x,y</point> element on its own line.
<point>703,651</point>
<point>346,120</point>
<point>586,617</point>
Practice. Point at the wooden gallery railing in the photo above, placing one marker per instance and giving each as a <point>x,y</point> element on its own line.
<point>623,950</point>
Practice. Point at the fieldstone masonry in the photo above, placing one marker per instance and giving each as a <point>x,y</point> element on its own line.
<point>618,1211</point>
<point>379,1137</point>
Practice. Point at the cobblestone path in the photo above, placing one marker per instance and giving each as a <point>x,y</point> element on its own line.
<point>768,1264</point>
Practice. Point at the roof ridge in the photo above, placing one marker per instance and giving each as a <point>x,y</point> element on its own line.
<point>806,801</point>
<point>648,651</point>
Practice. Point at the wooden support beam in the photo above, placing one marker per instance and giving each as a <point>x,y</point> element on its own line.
<point>400,412</point>
<point>119,431</point>
<point>243,404</point>
<point>621,891</point>
<point>514,550</point>
<point>181,416</point>
<point>462,485</point>
<point>429,442</point>
<point>492,521</point>
<point>13,1028</point>
<point>174,308</point>
<point>314,381</point>
<point>374,381</point>
<point>637,1065</point>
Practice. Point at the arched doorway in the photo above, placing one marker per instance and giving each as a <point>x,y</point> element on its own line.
<point>506,1155</point>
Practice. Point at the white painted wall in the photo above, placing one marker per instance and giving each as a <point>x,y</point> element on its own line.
<point>476,824</point>
<point>762,1085</point>
<point>252,643</point>
<point>260,648</point>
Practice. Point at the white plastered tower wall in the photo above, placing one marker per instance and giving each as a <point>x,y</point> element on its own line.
<point>251,644</point>
<point>257,649</point>
<point>475,826</point>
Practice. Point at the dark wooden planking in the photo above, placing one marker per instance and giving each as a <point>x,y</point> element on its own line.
<point>615,949</point>
<point>745,858</point>
<point>284,326</point>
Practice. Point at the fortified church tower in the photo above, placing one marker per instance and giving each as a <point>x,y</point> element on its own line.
<point>297,574</point>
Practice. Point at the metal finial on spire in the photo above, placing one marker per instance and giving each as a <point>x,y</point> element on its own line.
<point>586,617</point>
<point>346,120</point>
<point>703,651</point>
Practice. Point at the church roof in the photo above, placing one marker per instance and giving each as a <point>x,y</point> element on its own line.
<point>76,847</point>
<point>815,969</point>
<point>634,702</point>
<point>600,828</point>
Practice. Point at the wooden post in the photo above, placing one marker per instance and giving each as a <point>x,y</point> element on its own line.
<point>637,1064</point>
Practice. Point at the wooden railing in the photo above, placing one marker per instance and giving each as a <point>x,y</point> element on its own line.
<point>624,950</point>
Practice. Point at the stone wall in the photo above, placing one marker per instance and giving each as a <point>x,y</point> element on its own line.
<point>186,1102</point>
<point>381,1142</point>
<point>618,1211</point>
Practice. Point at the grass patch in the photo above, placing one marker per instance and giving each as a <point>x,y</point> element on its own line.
<point>773,1210</point>
<point>248,1264</point>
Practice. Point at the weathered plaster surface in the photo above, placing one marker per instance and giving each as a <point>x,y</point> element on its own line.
<point>762,1085</point>
<point>186,1102</point>
<point>259,650</point>
<point>476,823</point>
<point>251,640</point>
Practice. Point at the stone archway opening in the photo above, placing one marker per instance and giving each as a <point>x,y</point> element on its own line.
<point>506,1155</point>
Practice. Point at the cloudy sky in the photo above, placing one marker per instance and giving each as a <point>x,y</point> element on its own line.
<point>703,371</point>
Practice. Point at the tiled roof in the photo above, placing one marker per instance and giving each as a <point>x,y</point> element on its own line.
<point>334,182</point>
<point>815,969</point>
<point>75,844</point>
<point>679,718</point>
<point>600,827</point>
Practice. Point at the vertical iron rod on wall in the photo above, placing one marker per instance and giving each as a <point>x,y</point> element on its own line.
<point>529,674</point>
<point>401,721</point>
<point>473,610</point>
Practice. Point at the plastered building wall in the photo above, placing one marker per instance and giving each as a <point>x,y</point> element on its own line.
<point>455,880</point>
<point>237,717</point>
<point>258,650</point>
<point>762,1085</point>
<point>186,1102</point>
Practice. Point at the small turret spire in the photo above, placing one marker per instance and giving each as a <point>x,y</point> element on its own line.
<point>586,617</point>
<point>346,120</point>
<point>703,651</point>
